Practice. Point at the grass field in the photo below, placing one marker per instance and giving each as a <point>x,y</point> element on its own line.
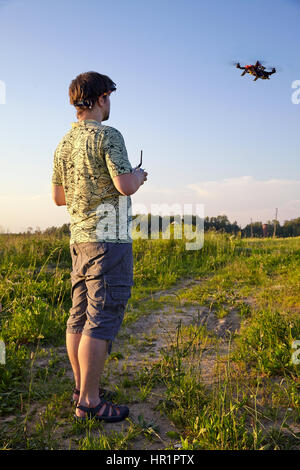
<point>203,359</point>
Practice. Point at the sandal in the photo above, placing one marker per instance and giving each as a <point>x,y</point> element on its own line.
<point>112,418</point>
<point>103,393</point>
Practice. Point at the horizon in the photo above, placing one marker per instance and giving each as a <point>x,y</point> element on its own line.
<point>38,229</point>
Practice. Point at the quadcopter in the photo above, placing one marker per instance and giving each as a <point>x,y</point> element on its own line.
<point>257,70</point>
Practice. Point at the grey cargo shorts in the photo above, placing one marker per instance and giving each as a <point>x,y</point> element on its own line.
<point>101,277</point>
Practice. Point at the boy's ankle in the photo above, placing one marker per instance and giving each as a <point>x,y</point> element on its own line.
<point>89,401</point>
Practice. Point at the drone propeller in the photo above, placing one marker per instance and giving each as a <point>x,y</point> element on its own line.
<point>270,67</point>
<point>278,68</point>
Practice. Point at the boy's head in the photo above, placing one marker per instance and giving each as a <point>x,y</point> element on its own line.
<point>86,88</point>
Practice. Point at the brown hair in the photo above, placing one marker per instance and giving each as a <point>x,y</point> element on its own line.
<point>86,88</point>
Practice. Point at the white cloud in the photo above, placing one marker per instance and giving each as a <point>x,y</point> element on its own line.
<point>244,198</point>
<point>202,192</point>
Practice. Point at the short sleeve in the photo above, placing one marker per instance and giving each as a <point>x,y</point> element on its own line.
<point>115,153</point>
<point>56,176</point>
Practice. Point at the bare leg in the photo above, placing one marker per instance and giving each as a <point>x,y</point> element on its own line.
<point>91,356</point>
<point>72,341</point>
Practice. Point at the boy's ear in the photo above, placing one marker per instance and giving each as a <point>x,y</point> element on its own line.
<point>101,101</point>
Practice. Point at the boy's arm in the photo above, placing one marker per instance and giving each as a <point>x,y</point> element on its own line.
<point>58,195</point>
<point>126,179</point>
<point>128,183</point>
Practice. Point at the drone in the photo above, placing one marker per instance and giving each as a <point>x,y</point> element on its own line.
<point>257,70</point>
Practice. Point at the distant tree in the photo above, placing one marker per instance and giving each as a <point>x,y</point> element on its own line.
<point>291,228</point>
<point>64,229</point>
<point>51,230</point>
<point>221,224</point>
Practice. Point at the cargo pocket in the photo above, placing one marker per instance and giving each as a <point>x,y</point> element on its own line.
<point>94,250</point>
<point>117,292</point>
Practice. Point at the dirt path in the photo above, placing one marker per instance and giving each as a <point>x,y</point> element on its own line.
<point>154,332</point>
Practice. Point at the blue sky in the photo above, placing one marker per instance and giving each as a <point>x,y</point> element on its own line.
<point>208,135</point>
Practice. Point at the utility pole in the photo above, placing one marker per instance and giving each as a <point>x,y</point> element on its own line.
<point>251,229</point>
<point>275,222</point>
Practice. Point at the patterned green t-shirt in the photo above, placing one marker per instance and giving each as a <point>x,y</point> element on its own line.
<point>85,161</point>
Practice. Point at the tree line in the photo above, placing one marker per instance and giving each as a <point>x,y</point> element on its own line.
<point>221,223</point>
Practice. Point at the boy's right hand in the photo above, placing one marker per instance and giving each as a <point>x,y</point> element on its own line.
<point>142,174</point>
